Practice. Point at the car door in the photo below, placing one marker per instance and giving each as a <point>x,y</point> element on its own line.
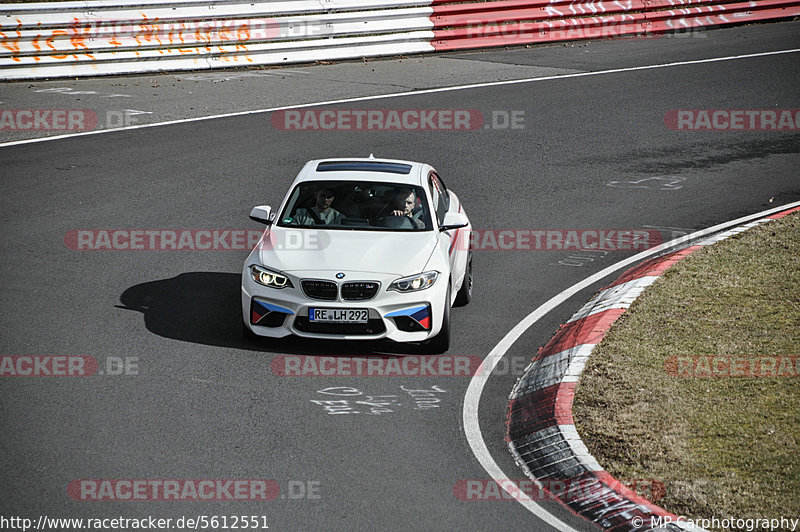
<point>450,242</point>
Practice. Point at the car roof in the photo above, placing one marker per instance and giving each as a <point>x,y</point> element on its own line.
<point>364,169</point>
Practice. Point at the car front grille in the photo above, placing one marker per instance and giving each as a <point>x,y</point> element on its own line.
<point>324,290</point>
<point>359,291</point>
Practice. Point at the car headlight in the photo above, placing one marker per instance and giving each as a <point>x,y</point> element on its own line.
<point>269,278</point>
<point>414,283</point>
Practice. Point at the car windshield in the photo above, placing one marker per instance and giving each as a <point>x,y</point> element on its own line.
<point>357,205</point>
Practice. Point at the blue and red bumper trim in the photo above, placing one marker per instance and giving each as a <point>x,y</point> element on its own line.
<point>260,309</point>
<point>420,314</point>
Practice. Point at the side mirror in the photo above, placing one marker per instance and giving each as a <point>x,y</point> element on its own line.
<point>454,220</point>
<point>262,213</point>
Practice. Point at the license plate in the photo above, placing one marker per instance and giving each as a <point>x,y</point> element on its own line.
<point>338,315</point>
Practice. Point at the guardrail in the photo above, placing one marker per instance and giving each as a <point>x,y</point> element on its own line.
<point>98,37</point>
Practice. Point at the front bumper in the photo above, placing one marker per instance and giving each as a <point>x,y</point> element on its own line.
<point>401,317</point>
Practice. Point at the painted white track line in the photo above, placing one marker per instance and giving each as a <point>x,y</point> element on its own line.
<point>472,399</point>
<point>402,94</point>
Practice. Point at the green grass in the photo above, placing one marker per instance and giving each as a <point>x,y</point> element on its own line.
<point>722,446</point>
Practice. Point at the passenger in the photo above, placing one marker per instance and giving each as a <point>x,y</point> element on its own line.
<point>321,213</point>
<point>404,201</point>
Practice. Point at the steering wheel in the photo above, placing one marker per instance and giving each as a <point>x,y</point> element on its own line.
<point>395,222</point>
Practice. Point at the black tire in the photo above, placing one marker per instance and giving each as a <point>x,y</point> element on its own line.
<point>441,342</point>
<point>464,294</point>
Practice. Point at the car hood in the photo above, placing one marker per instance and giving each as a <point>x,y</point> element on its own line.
<point>390,252</point>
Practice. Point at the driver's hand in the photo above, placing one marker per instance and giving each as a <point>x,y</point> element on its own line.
<point>398,213</point>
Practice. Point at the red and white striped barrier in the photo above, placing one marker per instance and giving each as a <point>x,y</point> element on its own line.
<point>513,22</point>
<point>96,37</point>
<point>541,432</point>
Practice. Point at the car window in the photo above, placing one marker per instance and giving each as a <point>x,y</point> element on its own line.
<point>439,196</point>
<point>443,188</point>
<point>357,205</point>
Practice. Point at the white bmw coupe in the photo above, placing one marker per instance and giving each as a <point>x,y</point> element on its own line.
<point>360,249</point>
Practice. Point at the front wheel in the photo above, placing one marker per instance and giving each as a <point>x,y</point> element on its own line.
<point>441,342</point>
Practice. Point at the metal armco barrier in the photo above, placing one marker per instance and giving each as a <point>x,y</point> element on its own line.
<point>97,37</point>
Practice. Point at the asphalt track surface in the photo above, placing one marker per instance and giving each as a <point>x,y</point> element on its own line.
<point>205,403</point>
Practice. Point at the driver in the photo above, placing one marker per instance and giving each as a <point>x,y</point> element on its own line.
<point>404,200</point>
<point>321,213</point>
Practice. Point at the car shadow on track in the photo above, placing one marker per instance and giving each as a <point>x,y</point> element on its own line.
<point>205,308</point>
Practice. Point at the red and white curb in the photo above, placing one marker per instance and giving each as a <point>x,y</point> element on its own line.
<point>541,432</point>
